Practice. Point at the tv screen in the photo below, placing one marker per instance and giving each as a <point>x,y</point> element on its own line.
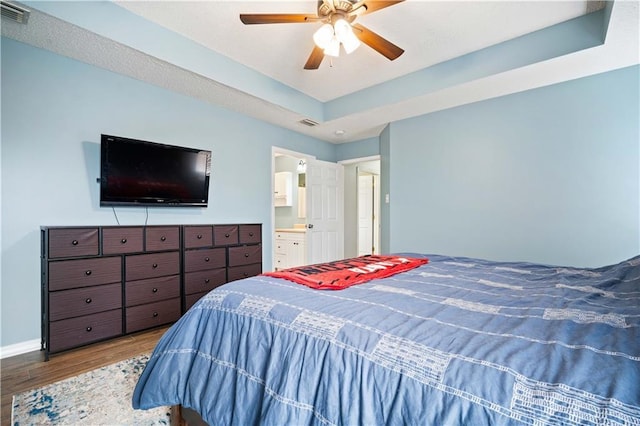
<point>140,173</point>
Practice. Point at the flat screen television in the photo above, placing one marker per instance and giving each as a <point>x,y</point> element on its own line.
<point>140,173</point>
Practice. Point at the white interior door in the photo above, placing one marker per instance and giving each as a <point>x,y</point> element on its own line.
<point>365,214</point>
<point>325,211</point>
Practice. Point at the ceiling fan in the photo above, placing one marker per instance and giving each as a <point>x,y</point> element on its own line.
<point>337,30</point>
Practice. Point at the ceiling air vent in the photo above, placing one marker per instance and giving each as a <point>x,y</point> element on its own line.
<point>15,13</point>
<point>308,122</point>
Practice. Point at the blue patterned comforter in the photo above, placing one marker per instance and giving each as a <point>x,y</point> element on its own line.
<point>455,341</point>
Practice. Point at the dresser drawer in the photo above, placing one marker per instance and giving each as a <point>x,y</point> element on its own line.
<point>162,238</point>
<point>121,240</point>
<point>203,281</point>
<point>84,301</point>
<point>78,331</point>
<point>66,274</point>
<point>152,290</point>
<point>70,242</point>
<point>198,236</point>
<point>198,260</point>
<point>224,235</point>
<point>152,314</point>
<point>246,271</point>
<point>245,255</point>
<point>141,266</point>
<point>250,234</point>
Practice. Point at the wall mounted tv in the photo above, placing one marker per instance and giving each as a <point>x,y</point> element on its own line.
<point>140,173</point>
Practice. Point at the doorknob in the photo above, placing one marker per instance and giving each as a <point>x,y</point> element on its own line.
<point>310,226</point>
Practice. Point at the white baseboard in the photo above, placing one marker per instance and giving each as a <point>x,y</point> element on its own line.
<point>19,348</point>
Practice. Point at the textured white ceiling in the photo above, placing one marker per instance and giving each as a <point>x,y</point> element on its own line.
<point>431,32</point>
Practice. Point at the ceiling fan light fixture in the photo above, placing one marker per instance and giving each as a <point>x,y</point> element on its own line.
<point>333,48</point>
<point>345,35</point>
<point>323,36</point>
<point>341,28</point>
<point>350,42</point>
<point>338,28</point>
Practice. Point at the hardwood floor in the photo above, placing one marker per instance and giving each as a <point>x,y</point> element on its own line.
<point>29,371</point>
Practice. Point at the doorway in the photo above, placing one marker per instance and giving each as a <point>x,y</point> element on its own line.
<point>368,208</point>
<point>308,214</point>
<point>362,206</point>
<point>289,190</point>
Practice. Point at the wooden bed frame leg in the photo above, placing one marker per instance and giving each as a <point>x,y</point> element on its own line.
<point>181,416</point>
<point>175,416</point>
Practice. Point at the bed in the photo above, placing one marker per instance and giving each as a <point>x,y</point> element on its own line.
<point>450,342</point>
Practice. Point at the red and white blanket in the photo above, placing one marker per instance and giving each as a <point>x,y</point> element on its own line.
<point>341,274</point>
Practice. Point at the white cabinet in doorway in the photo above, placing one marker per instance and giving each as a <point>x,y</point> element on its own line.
<point>290,249</point>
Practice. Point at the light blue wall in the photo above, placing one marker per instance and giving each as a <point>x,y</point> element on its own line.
<point>109,19</point>
<point>359,149</point>
<point>549,175</point>
<point>562,39</point>
<point>53,111</point>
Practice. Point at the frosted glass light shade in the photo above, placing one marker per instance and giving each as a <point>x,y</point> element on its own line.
<point>329,37</point>
<point>345,35</point>
<point>350,42</point>
<point>323,36</point>
<point>342,29</point>
<point>333,48</point>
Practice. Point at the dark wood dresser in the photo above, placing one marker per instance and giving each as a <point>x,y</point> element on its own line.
<point>100,282</point>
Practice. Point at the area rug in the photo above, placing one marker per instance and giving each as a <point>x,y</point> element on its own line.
<point>98,397</point>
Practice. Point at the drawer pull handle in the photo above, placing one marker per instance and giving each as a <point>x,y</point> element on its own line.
<point>155,290</point>
<point>155,265</point>
<point>155,314</point>
<point>123,241</point>
<point>89,328</point>
<point>246,274</point>
<point>206,280</point>
<point>88,272</point>
<point>226,235</point>
<point>88,300</point>
<point>206,259</point>
<point>251,234</point>
<point>246,255</point>
<point>199,236</point>
<point>163,238</point>
<point>74,242</point>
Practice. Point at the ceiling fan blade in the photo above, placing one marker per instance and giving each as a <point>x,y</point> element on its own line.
<point>369,6</point>
<point>316,57</point>
<point>377,43</point>
<point>276,18</point>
